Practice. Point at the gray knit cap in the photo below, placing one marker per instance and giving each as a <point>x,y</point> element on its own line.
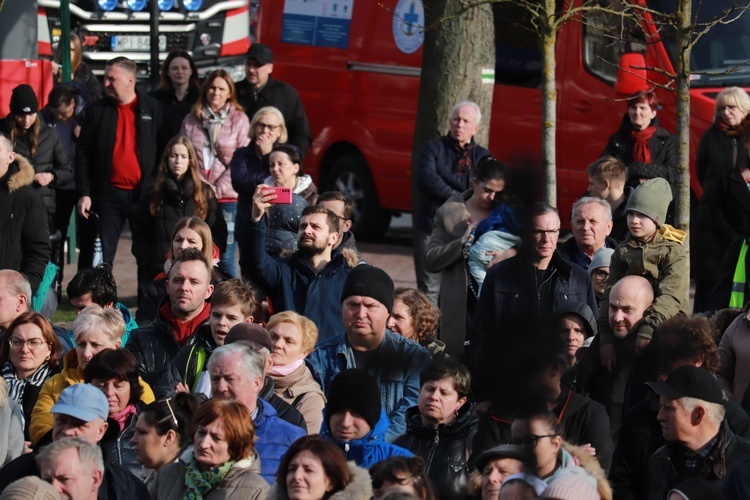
<point>602,258</point>
<point>652,199</point>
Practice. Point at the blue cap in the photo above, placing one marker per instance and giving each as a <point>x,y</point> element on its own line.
<point>82,401</point>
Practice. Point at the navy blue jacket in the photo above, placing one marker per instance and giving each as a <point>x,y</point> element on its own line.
<point>273,437</point>
<point>247,172</point>
<point>370,449</point>
<point>396,369</point>
<point>436,181</point>
<point>291,285</point>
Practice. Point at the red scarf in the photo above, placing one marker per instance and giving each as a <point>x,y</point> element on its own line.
<point>731,131</point>
<point>641,149</point>
<point>183,330</point>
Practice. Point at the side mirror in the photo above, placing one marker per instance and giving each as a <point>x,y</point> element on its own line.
<point>631,74</point>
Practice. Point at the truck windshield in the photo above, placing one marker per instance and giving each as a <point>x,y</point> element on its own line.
<point>722,55</point>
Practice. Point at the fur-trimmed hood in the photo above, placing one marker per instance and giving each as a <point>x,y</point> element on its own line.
<point>24,176</point>
<point>591,465</point>
<point>351,257</point>
<point>359,487</point>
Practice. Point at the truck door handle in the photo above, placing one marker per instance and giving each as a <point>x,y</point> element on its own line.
<point>582,106</point>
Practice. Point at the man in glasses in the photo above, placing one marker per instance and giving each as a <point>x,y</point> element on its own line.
<point>259,89</point>
<point>520,296</point>
<point>81,411</point>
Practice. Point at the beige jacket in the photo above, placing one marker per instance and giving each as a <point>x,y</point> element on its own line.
<point>300,390</point>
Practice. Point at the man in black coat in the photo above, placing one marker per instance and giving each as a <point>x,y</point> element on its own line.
<point>181,314</point>
<point>259,89</point>
<point>24,231</point>
<point>116,157</point>
<point>519,298</point>
<point>699,442</point>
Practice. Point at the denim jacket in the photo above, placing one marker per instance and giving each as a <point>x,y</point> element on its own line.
<point>398,379</point>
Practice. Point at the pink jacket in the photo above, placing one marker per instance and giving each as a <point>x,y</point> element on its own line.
<point>734,357</point>
<point>234,134</point>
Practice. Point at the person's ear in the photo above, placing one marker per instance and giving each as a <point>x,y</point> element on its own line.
<point>102,429</point>
<point>118,343</point>
<point>249,319</point>
<point>209,291</point>
<point>460,403</point>
<point>170,437</point>
<point>697,415</point>
<point>270,67</point>
<point>97,476</point>
<point>607,184</point>
<point>333,238</point>
<point>347,225</point>
<point>22,304</point>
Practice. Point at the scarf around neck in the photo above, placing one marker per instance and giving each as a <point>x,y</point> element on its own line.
<point>212,123</point>
<point>464,164</point>
<point>641,148</point>
<point>16,386</point>
<point>199,483</point>
<point>283,371</point>
<point>733,131</point>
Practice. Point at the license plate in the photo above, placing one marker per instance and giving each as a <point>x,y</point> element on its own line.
<point>136,43</point>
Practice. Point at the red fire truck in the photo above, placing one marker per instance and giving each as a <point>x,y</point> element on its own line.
<point>356,65</point>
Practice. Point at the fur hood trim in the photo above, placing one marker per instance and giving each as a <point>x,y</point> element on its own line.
<point>24,176</point>
<point>351,257</point>
<point>591,465</point>
<point>359,488</point>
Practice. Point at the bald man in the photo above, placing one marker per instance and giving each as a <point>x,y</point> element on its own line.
<point>608,383</point>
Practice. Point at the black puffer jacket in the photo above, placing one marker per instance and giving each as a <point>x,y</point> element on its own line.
<point>97,141</point>
<point>50,157</point>
<point>173,112</point>
<point>152,234</point>
<point>24,229</point>
<point>446,449</point>
<point>120,450</point>
<point>154,346</point>
<point>662,144</point>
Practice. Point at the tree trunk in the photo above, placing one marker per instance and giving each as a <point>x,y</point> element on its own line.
<point>456,50</point>
<point>682,201</point>
<point>549,105</point>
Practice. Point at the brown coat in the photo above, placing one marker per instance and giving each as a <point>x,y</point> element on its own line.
<point>444,253</point>
<point>301,384</point>
<point>359,487</point>
<point>242,482</point>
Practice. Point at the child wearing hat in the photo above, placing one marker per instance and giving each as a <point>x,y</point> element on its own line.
<point>655,251</point>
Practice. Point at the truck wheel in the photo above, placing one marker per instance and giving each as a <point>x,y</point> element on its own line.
<point>350,175</point>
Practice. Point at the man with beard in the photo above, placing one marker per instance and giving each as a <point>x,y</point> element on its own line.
<point>309,281</point>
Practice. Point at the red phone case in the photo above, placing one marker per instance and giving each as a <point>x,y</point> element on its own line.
<point>283,196</point>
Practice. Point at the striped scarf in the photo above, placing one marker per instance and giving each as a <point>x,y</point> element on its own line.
<point>16,386</point>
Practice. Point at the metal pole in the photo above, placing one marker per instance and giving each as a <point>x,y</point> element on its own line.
<point>64,43</point>
<point>154,24</point>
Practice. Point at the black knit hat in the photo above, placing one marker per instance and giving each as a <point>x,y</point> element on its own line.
<point>369,281</point>
<point>354,390</point>
<point>23,101</point>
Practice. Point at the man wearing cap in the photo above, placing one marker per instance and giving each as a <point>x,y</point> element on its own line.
<point>24,228</point>
<point>259,89</point>
<point>591,224</point>
<point>354,418</point>
<point>82,411</point>
<point>495,465</point>
<point>699,443</point>
<point>311,279</point>
<point>394,361</point>
<point>116,157</point>
<point>236,372</point>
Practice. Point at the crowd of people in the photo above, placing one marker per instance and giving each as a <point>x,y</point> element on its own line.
<point>520,367</point>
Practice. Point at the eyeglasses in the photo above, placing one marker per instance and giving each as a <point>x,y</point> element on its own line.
<point>171,414</point>
<point>18,343</point>
<point>265,126</point>
<point>531,440</point>
<point>538,233</point>
<point>601,274</point>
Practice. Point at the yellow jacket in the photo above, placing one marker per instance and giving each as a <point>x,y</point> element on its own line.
<point>71,374</point>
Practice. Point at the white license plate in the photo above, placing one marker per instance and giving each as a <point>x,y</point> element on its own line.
<point>136,43</point>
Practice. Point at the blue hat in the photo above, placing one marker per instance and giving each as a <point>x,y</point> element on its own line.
<point>82,401</point>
